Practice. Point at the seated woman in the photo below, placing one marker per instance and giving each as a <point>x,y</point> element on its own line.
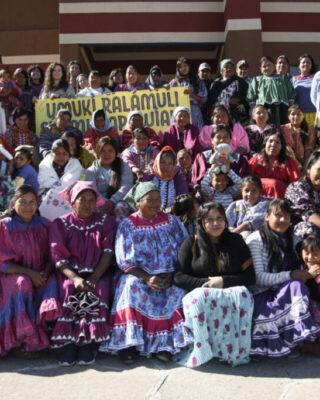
<point>132,81</point>
<point>220,134</point>
<point>111,175</point>
<point>281,316</point>
<point>19,133</point>
<point>28,289</point>
<point>239,138</point>
<point>134,121</point>
<point>56,171</point>
<point>140,155</point>
<point>182,134</point>
<point>155,79</point>
<point>248,214</point>
<point>24,172</point>
<point>146,315</point>
<point>99,127</point>
<point>273,167</point>
<point>300,138</point>
<point>55,129</point>
<point>258,129</point>
<point>229,91</point>
<point>167,177</point>
<point>215,267</point>
<point>82,244</point>
<point>77,151</point>
<point>95,87</point>
<point>55,83</point>
<point>303,197</point>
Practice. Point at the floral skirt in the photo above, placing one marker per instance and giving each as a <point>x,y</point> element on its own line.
<point>281,320</point>
<point>82,329</point>
<point>220,322</point>
<point>151,321</point>
<point>25,312</point>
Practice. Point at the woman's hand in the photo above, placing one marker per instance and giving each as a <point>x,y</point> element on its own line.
<point>80,284</point>
<point>54,96</point>
<point>241,150</point>
<point>166,86</point>
<point>299,275</point>
<point>37,279</point>
<point>109,207</point>
<point>92,282</point>
<point>188,91</point>
<point>138,172</point>
<point>214,282</point>
<point>155,282</point>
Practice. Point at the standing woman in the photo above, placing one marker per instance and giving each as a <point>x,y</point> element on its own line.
<point>116,77</point>
<point>195,88</point>
<point>281,316</point>
<point>132,81</point>
<point>29,95</point>
<point>28,289</point>
<point>56,84</point>
<point>73,70</point>
<point>302,85</point>
<point>146,316</point>
<point>215,267</point>
<point>36,77</point>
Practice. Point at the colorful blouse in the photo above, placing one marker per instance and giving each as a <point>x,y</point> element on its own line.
<point>16,137</point>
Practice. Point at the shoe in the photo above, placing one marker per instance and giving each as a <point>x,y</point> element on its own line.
<point>87,354</point>
<point>128,356</point>
<point>296,353</point>
<point>163,356</point>
<point>68,356</point>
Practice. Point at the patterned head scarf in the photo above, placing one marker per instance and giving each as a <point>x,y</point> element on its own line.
<point>71,193</point>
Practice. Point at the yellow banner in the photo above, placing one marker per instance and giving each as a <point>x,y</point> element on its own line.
<point>156,105</point>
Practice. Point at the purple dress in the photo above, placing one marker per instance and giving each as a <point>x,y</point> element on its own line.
<point>24,309</point>
<point>188,139</point>
<point>81,243</point>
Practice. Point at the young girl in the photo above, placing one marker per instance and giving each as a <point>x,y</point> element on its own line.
<point>273,91</point>
<point>116,78</point>
<point>195,88</point>
<point>218,187</point>
<point>300,138</point>
<point>77,151</point>
<point>99,127</point>
<point>186,207</point>
<point>310,252</point>
<point>95,87</point>
<point>239,138</point>
<point>281,315</point>
<point>184,160</point>
<point>82,82</point>
<point>258,129</point>
<point>29,292</point>
<point>9,92</point>
<point>24,172</point>
<point>36,77</point>
<point>246,215</point>
<point>140,155</point>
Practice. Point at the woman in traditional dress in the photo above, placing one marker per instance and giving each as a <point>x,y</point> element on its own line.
<point>281,316</point>
<point>28,288</point>
<point>82,244</point>
<point>215,266</point>
<point>146,316</point>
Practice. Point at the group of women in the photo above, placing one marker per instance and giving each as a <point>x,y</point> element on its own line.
<point>145,245</point>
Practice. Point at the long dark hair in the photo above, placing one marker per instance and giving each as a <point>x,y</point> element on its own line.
<point>70,134</point>
<point>272,243</point>
<point>218,108</point>
<point>313,65</point>
<point>314,157</point>
<point>116,167</point>
<point>113,73</point>
<point>211,253</point>
<point>183,207</point>
<point>304,127</point>
<point>49,82</point>
<point>192,75</point>
<point>25,74</point>
<point>282,155</point>
<point>36,66</point>
<point>19,192</point>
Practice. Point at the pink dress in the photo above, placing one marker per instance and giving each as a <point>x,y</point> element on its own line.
<point>24,309</point>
